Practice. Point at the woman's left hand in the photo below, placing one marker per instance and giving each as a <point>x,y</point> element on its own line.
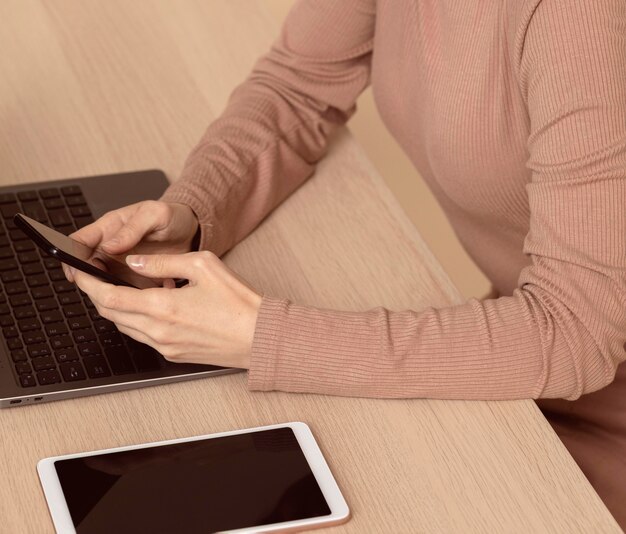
<point>209,321</point>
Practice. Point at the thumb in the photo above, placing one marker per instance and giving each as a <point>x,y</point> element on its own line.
<point>162,265</point>
<point>131,233</point>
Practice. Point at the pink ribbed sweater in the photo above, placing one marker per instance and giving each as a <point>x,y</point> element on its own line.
<point>514,112</point>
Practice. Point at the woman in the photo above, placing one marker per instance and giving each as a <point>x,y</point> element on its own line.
<point>515,114</point>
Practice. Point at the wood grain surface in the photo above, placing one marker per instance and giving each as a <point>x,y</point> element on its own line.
<point>90,87</point>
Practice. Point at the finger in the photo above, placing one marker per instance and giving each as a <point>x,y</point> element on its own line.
<point>136,321</point>
<point>68,271</point>
<point>137,335</point>
<point>107,295</point>
<point>169,283</point>
<point>146,219</point>
<point>168,265</point>
<point>90,235</point>
<point>104,228</point>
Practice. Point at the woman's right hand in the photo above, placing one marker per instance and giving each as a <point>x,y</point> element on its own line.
<point>147,227</point>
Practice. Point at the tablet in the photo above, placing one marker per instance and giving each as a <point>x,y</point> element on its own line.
<point>265,479</point>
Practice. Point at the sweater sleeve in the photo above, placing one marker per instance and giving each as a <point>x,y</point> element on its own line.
<point>562,332</point>
<point>277,123</point>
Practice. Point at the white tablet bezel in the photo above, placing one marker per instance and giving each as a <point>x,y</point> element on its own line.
<point>337,504</point>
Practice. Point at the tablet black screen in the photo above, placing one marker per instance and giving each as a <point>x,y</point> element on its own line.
<point>203,486</point>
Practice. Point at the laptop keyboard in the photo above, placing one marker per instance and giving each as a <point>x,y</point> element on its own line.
<point>53,331</point>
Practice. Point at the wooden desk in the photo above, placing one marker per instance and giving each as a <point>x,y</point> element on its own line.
<point>90,87</point>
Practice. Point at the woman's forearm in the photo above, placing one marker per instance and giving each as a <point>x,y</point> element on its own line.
<point>277,123</point>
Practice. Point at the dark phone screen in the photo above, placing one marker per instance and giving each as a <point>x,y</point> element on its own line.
<point>204,486</point>
<point>115,266</point>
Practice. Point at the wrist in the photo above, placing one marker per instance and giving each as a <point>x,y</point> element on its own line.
<point>249,329</point>
<point>194,230</point>
<point>195,240</point>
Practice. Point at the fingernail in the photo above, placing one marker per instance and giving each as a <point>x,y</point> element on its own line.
<point>138,262</point>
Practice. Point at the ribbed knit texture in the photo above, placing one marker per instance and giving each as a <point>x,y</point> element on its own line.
<point>515,114</point>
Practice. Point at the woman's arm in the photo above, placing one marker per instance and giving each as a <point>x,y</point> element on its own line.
<point>563,332</point>
<point>277,123</point>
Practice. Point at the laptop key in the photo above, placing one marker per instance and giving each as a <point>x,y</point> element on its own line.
<point>51,192</point>
<point>119,360</point>
<point>24,246</point>
<point>57,275</point>
<point>56,329</point>
<point>72,371</point>
<point>66,355</point>
<point>37,280</point>
<point>80,211</point>
<point>26,196</point>
<point>35,210</point>
<point>60,217</point>
<point>20,300</point>
<point>11,276</point>
<point>23,368</point>
<point>5,253</point>
<point>38,350</point>
<point>95,316</point>
<point>69,298</point>
<point>32,268</point>
<point>61,342</point>
<point>104,326</point>
<point>6,320</point>
<point>4,309</point>
<point>96,367</point>
<point>77,323</point>
<point>51,376</point>
<point>10,332</point>
<point>50,316</point>
<point>51,263</point>
<point>74,310</point>
<point>27,381</point>
<point>19,355</point>
<point>70,190</point>
<point>8,265</point>
<point>63,287</point>
<point>7,198</point>
<point>25,312</point>
<point>27,257</point>
<point>83,336</point>
<point>43,362</point>
<point>17,235</point>
<point>111,339</point>
<point>15,288</point>
<point>89,349</point>
<point>53,203</point>
<point>44,292</point>
<point>47,304</point>
<point>81,222</point>
<point>9,210</point>
<point>34,337</point>
<point>76,200</point>
<point>26,325</point>
<point>14,343</point>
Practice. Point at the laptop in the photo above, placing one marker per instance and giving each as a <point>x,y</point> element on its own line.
<point>54,344</point>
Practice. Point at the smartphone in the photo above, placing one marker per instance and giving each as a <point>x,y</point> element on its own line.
<point>81,257</point>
